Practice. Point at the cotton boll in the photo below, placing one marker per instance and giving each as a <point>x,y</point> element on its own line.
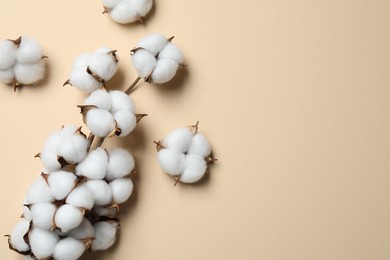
<point>121,101</point>
<point>81,61</point>
<point>126,121</point>
<point>142,6</point>
<point>101,192</point>
<point>27,213</point>
<point>179,139</point>
<point>100,122</point>
<point>100,98</point>
<point>120,163</point>
<point>165,71</point>
<point>79,78</point>
<point>103,211</point>
<point>42,215</point>
<point>83,231</point>
<point>153,43</point>
<point>67,131</point>
<point>73,149</point>
<point>124,12</point>
<point>68,249</point>
<point>105,235</point>
<point>29,51</point>
<point>61,184</point>
<point>195,168</point>
<point>144,62</point>
<point>27,257</point>
<point>171,161</point>
<point>7,54</point>
<point>29,73</point>
<point>39,191</point>
<point>16,238</point>
<point>199,145</point>
<point>94,166</point>
<point>53,141</point>
<point>170,51</point>
<point>42,242</point>
<point>7,76</point>
<point>110,4</point>
<point>49,160</point>
<point>103,65</point>
<point>121,189</point>
<point>81,197</point>
<point>68,217</point>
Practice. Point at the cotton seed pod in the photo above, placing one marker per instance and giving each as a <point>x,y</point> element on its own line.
<point>99,98</point>
<point>164,71</point>
<point>68,249</point>
<point>195,168</point>
<point>29,51</point>
<point>7,54</point>
<point>73,149</point>
<point>103,65</point>
<point>199,145</point>
<point>144,62</point>
<point>81,197</point>
<point>120,163</point>
<point>171,161</point>
<point>121,189</point>
<point>61,183</point>
<point>38,192</point>
<point>94,166</point>
<point>101,191</point>
<point>172,52</point>
<point>105,235</point>
<point>127,11</point>
<point>7,76</point>
<point>100,122</point>
<point>42,242</point>
<point>80,79</point>
<point>43,215</point>
<point>179,139</point>
<point>68,217</point>
<point>121,101</point>
<point>152,43</point>
<point>126,122</point>
<point>16,239</point>
<point>84,231</point>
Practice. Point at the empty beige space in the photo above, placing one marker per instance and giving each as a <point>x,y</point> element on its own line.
<point>293,95</point>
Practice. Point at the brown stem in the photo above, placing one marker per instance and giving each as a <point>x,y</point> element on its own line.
<point>130,89</point>
<point>101,140</point>
<point>91,137</point>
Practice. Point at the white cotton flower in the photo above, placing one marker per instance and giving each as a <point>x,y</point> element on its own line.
<point>110,4</point>
<point>142,6</point>
<point>16,238</point>
<point>61,184</point>
<point>7,75</point>
<point>103,50</point>
<point>94,166</point>
<point>179,139</point>
<point>153,43</point>
<point>49,160</point>
<point>82,61</point>
<point>120,163</point>
<point>101,191</point>
<point>27,213</point>
<point>126,122</point>
<point>121,101</point>
<point>73,149</point>
<point>29,51</point>
<point>144,62</point>
<point>100,98</point>
<point>42,242</point>
<point>104,211</point>
<point>68,249</point>
<point>121,189</point>
<point>7,54</point>
<point>124,12</point>
<point>199,145</point>
<point>29,73</point>
<point>27,257</point>
<point>172,52</point>
<point>171,161</point>
<point>81,197</point>
<point>103,65</point>
<point>68,217</point>
<point>165,71</point>
<point>195,168</point>
<point>43,215</point>
<point>105,235</point>
<point>84,231</point>
<point>100,122</point>
<point>39,191</point>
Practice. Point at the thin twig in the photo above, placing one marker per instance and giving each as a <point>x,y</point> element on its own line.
<point>128,91</point>
<point>91,137</point>
<point>101,140</point>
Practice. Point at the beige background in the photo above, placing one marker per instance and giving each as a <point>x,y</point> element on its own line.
<point>294,96</point>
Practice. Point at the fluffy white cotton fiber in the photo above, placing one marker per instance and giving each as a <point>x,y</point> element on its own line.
<point>42,242</point>
<point>68,249</point>
<point>7,54</point>
<point>105,235</point>
<point>94,166</point>
<point>120,163</point>
<point>127,11</point>
<point>16,237</point>
<point>68,217</point>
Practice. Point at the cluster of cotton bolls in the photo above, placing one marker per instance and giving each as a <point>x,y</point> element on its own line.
<point>91,71</point>
<point>109,113</point>
<point>127,11</point>
<point>73,209</point>
<point>21,61</point>
<point>185,154</point>
<point>156,58</point>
